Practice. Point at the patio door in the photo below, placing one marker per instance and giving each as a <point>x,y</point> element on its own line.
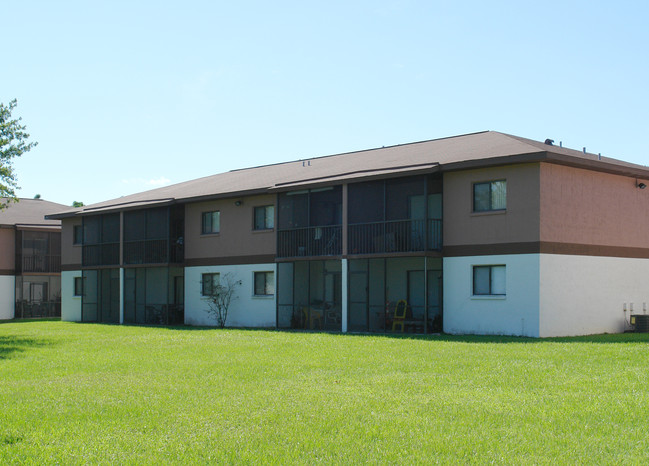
<point>358,302</point>
<point>179,290</point>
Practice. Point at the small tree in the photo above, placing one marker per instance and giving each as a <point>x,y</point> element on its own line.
<point>220,297</point>
<point>13,143</point>
<point>77,204</point>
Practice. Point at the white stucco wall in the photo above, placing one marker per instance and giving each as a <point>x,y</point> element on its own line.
<point>7,296</point>
<point>516,313</point>
<point>246,310</point>
<point>583,295</point>
<point>70,304</point>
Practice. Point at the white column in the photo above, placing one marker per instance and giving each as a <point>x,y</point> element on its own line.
<point>7,297</point>
<point>121,295</point>
<point>344,295</point>
<point>276,287</point>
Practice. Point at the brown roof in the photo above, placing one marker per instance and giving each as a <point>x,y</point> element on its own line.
<point>29,212</point>
<point>453,153</point>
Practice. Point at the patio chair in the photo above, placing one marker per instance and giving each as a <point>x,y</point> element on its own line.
<point>312,315</point>
<point>399,315</point>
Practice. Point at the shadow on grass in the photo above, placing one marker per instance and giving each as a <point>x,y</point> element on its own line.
<point>601,338</point>
<point>11,345</point>
<point>35,319</point>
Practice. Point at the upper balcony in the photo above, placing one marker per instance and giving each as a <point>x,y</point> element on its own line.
<point>154,236</point>
<point>148,236</point>
<point>395,236</point>
<point>101,240</point>
<point>38,252</point>
<point>310,223</point>
<point>396,215</point>
<point>399,215</point>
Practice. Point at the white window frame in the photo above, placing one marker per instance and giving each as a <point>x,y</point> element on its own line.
<point>266,217</point>
<point>254,283</point>
<point>491,199</point>
<point>491,293</point>
<point>74,286</point>
<point>216,279</point>
<point>76,228</point>
<point>212,230</point>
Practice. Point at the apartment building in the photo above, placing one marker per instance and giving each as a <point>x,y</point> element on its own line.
<point>484,233</point>
<point>30,259</point>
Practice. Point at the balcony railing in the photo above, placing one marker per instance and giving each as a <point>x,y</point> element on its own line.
<point>101,254</point>
<point>155,251</point>
<point>310,241</point>
<point>395,236</point>
<point>26,310</point>
<point>40,264</point>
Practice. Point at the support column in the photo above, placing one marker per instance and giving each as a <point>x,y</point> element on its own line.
<point>426,294</point>
<point>121,295</point>
<point>121,267</point>
<point>345,220</point>
<point>345,299</point>
<point>275,297</point>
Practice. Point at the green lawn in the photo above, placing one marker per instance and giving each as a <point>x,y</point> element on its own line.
<point>84,393</point>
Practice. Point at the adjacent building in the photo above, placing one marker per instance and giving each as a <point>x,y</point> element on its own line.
<point>484,233</point>
<point>30,259</point>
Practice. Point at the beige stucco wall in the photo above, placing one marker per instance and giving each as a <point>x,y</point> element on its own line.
<point>236,237</point>
<point>7,250</point>
<point>519,223</point>
<point>70,253</point>
<point>593,208</point>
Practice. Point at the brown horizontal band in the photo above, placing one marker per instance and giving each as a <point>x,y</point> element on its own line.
<point>546,247</point>
<point>231,260</point>
<point>70,267</point>
<point>7,272</point>
<point>594,250</point>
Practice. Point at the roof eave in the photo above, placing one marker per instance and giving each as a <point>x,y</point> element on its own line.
<point>495,161</point>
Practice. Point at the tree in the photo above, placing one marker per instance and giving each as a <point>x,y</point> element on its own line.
<point>220,297</point>
<point>77,204</point>
<point>13,143</point>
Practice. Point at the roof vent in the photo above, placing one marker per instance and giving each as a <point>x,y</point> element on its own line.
<point>549,141</point>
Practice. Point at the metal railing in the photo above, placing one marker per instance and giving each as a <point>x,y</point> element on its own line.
<point>154,251</point>
<point>383,319</point>
<point>323,316</point>
<point>40,263</point>
<point>310,241</point>
<point>435,235</point>
<point>164,314</point>
<point>395,236</point>
<point>26,310</point>
<point>100,254</point>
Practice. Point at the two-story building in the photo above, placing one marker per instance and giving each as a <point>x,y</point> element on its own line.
<point>482,233</point>
<point>30,259</point>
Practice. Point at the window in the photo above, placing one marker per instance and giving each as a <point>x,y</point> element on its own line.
<point>78,286</point>
<point>78,234</point>
<point>489,280</point>
<point>210,282</point>
<point>264,283</point>
<point>211,222</point>
<point>264,217</point>
<point>491,195</point>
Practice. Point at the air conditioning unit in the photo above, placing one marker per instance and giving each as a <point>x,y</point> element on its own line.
<point>641,322</point>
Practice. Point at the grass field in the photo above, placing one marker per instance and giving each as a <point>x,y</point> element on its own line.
<point>83,393</point>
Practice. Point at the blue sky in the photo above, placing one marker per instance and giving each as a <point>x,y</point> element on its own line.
<point>125,96</point>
